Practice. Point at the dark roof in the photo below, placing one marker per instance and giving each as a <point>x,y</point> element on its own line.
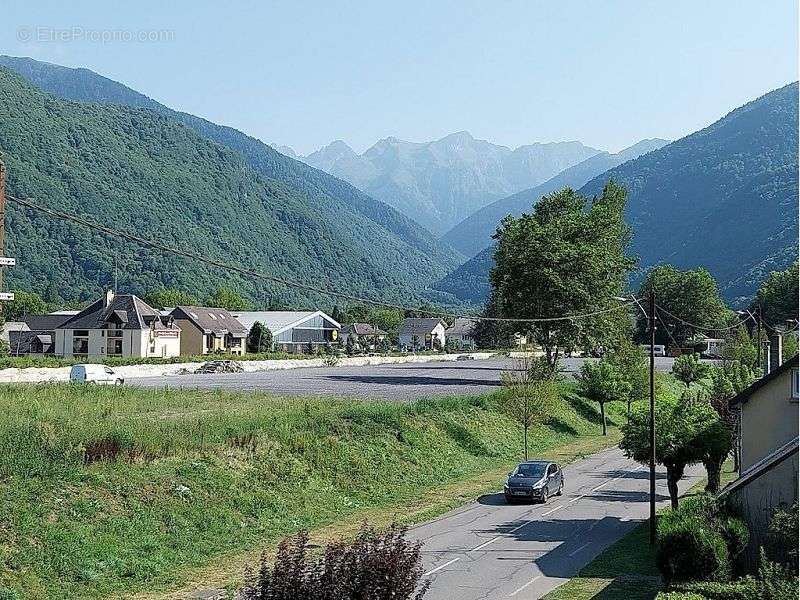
<point>126,310</point>
<point>462,326</point>
<point>765,465</point>
<point>46,322</point>
<point>22,342</point>
<point>211,320</point>
<point>414,325</point>
<point>363,329</point>
<point>744,395</point>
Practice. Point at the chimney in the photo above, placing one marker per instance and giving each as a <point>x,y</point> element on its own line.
<point>109,297</point>
<point>776,350</point>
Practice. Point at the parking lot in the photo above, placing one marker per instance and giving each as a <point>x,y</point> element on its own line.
<point>392,382</point>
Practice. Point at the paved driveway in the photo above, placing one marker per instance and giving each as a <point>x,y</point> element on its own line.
<point>394,382</point>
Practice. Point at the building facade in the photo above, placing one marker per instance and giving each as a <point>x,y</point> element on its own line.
<point>768,443</point>
<point>422,334</point>
<point>297,332</point>
<point>207,330</point>
<point>120,325</point>
<point>461,335</point>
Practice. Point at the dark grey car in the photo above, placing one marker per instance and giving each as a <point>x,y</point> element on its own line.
<point>534,480</point>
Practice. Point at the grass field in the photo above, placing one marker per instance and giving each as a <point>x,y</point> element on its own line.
<point>110,492</point>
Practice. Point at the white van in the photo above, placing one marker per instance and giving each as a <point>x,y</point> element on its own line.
<point>99,374</point>
<point>658,349</point>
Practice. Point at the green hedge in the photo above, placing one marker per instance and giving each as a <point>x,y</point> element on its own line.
<point>744,589</point>
<point>698,541</point>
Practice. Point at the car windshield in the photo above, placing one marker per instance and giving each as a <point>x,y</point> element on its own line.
<point>530,470</point>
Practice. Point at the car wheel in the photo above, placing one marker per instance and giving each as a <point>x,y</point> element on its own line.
<point>560,488</point>
<point>544,495</point>
<point>509,499</point>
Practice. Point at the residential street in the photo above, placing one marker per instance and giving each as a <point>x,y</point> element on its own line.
<point>392,382</point>
<point>488,549</point>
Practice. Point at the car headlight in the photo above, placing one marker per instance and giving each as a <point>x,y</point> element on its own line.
<point>538,485</point>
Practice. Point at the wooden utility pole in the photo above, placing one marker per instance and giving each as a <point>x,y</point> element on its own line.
<point>652,417</point>
<point>4,262</point>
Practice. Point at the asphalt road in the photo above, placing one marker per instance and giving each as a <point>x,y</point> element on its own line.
<point>393,382</point>
<point>489,550</point>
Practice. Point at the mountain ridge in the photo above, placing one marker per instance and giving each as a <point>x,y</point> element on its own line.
<point>474,233</point>
<point>439,182</point>
<point>723,198</point>
<point>84,85</point>
<point>142,171</point>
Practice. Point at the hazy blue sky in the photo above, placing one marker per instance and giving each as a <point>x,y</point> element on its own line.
<point>607,73</point>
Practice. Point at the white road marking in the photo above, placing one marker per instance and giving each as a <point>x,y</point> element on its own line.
<point>518,590</point>
<point>484,544</point>
<point>577,498</point>
<point>440,567</point>
<point>552,510</point>
<point>574,552</point>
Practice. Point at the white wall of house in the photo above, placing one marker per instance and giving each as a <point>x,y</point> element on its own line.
<point>407,340</point>
<point>135,342</point>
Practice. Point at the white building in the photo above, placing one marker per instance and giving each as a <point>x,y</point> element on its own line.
<point>461,334</point>
<point>118,325</point>
<point>422,334</point>
<point>292,330</point>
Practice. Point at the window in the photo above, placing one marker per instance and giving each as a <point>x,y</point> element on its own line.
<point>114,346</point>
<point>80,342</point>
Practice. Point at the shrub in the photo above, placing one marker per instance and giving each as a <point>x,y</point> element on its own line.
<point>688,368</point>
<point>698,541</point>
<point>782,537</point>
<point>778,582</point>
<point>743,589</point>
<point>375,566</point>
<point>678,596</point>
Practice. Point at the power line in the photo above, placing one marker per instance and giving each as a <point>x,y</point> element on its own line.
<point>117,233</point>
<point>700,327</point>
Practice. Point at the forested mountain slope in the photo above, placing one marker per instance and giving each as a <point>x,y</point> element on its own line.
<point>141,171</point>
<point>83,85</point>
<point>725,198</point>
<point>474,233</point>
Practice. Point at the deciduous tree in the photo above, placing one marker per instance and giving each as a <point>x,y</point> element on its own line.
<point>169,298</point>
<point>690,295</point>
<point>681,427</point>
<point>568,256</point>
<point>688,369</point>
<point>603,382</point>
<point>259,339</point>
<point>529,395</point>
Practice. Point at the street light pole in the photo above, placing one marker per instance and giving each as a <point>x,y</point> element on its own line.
<point>652,317</point>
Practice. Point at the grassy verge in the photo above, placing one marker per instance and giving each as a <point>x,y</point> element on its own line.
<point>112,492</point>
<point>626,570</point>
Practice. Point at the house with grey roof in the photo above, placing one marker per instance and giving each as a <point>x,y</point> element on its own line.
<point>461,333</point>
<point>118,325</point>
<point>206,330</point>
<point>364,333</point>
<point>294,331</point>
<point>421,334</point>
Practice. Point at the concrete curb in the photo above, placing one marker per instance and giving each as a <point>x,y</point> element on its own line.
<point>56,374</point>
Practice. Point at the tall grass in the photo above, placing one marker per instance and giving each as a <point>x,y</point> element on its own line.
<point>105,490</point>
